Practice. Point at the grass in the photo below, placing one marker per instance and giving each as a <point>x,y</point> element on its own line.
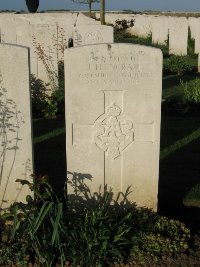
<point>50,150</point>
<point>171,84</point>
<point>49,135</point>
<point>125,37</point>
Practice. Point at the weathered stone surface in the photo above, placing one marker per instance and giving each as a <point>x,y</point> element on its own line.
<point>193,25</point>
<point>64,23</point>
<point>85,20</point>
<point>142,26</point>
<point>196,34</point>
<point>43,44</point>
<point>16,161</point>
<point>51,32</point>
<point>92,34</point>
<point>178,35</point>
<point>113,100</point>
<point>8,29</point>
<point>160,28</point>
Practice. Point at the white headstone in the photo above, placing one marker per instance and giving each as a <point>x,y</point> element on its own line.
<point>64,23</point>
<point>92,34</point>
<point>113,107</point>
<point>193,24</point>
<point>51,31</point>
<point>198,67</point>
<point>142,26</point>
<point>42,41</point>
<point>178,35</point>
<point>160,28</point>
<point>8,29</point>
<point>196,31</point>
<point>16,161</point>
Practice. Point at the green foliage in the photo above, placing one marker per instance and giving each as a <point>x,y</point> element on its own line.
<point>192,198</point>
<point>159,237</point>
<point>191,91</point>
<point>13,253</point>
<point>32,5</point>
<point>176,64</point>
<point>38,96</point>
<point>48,98</point>
<point>125,37</point>
<point>89,229</point>
<point>44,105</point>
<point>39,222</point>
<point>50,108</point>
<point>191,44</point>
<point>103,235</point>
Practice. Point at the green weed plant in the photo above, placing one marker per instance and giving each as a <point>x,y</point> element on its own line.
<point>176,64</point>
<point>85,228</point>
<point>191,44</point>
<point>191,91</point>
<point>192,198</point>
<point>44,104</point>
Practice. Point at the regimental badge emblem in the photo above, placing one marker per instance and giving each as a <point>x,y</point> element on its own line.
<point>113,131</point>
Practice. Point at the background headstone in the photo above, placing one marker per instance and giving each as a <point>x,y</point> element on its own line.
<point>113,103</point>
<point>142,25</point>
<point>16,161</point>
<point>48,31</point>
<point>178,35</point>
<point>85,20</point>
<point>196,34</point>
<point>92,34</point>
<point>160,28</point>
<point>193,24</point>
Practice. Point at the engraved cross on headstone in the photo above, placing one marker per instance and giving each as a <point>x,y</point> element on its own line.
<point>113,132</point>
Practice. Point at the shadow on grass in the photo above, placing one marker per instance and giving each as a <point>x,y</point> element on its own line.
<point>50,151</point>
<point>179,167</point>
<point>174,79</point>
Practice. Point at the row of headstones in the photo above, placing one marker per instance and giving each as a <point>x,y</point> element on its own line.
<point>161,27</point>
<point>113,109</point>
<point>47,35</point>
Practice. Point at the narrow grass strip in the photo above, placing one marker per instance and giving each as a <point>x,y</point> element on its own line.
<point>48,136</point>
<point>179,144</point>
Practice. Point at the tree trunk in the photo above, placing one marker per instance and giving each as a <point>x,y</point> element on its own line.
<point>102,12</point>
